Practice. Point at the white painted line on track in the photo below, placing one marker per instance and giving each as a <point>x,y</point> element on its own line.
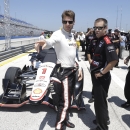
<point>118,80</point>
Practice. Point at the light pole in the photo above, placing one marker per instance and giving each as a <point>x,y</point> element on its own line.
<point>0,10</point>
<point>117,17</point>
<point>7,25</point>
<point>126,28</point>
<point>121,19</point>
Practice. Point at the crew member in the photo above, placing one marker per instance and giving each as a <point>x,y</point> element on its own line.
<point>103,61</point>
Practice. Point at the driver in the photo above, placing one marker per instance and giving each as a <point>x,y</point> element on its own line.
<point>65,48</point>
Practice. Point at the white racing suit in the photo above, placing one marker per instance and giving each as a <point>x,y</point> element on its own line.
<point>63,78</point>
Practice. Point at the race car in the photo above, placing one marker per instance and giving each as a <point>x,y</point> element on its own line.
<point>15,84</point>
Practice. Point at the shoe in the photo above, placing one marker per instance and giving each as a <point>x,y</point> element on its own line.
<point>91,100</point>
<point>69,124</point>
<point>97,128</point>
<point>95,122</point>
<point>125,105</point>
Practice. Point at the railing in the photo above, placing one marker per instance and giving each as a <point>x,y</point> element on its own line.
<point>17,47</point>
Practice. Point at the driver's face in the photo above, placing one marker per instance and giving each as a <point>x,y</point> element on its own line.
<point>68,23</point>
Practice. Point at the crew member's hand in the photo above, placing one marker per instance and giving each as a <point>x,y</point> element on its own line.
<point>98,75</point>
<point>80,75</point>
<point>42,43</point>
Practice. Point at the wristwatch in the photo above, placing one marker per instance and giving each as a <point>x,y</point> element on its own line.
<point>101,72</point>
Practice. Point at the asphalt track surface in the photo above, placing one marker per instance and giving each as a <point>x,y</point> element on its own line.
<point>42,117</point>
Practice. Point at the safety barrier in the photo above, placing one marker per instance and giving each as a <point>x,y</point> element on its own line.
<point>17,47</point>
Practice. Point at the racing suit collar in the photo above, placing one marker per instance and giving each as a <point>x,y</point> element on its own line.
<point>66,33</point>
<point>102,37</point>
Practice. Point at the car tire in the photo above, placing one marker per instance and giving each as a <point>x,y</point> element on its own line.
<point>12,74</point>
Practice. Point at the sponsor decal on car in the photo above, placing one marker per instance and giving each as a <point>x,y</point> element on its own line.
<point>37,91</point>
<point>50,66</point>
<point>44,70</point>
<point>42,77</point>
<point>39,84</point>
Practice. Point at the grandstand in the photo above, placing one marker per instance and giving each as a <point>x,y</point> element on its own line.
<point>19,28</point>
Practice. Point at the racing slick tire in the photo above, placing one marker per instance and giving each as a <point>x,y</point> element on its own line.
<point>12,74</point>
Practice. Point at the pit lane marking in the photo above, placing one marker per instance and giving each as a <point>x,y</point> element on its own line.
<point>15,58</point>
<point>115,78</point>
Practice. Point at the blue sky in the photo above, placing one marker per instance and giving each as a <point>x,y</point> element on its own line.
<point>46,14</point>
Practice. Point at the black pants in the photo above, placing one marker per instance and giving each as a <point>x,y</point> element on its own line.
<point>82,45</point>
<point>127,87</point>
<point>101,86</point>
<point>64,90</point>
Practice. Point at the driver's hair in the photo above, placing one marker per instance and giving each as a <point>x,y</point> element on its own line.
<point>68,13</point>
<point>102,19</point>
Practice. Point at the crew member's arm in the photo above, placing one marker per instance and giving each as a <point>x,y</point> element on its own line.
<point>89,58</point>
<point>111,57</point>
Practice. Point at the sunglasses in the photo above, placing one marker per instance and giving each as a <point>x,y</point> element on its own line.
<point>99,28</point>
<point>65,22</point>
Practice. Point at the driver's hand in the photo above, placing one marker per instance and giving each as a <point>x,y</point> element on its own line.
<point>43,46</point>
<point>126,62</point>
<point>90,61</point>
<point>80,75</point>
<point>36,46</point>
<point>41,43</point>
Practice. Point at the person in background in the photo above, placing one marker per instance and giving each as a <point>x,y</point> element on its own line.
<point>90,53</point>
<point>89,36</point>
<point>110,34</point>
<point>82,41</point>
<point>116,40</point>
<point>78,44</point>
<point>127,86</point>
<point>64,72</point>
<point>41,37</point>
<point>128,41</point>
<point>122,45</point>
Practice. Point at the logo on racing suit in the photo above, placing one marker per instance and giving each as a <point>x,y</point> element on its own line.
<point>37,91</point>
<point>107,40</point>
<point>95,63</point>
<point>110,48</point>
<point>72,44</point>
<point>42,77</point>
<point>101,43</point>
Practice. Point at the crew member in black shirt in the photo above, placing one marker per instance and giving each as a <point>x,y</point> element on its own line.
<point>116,40</point>
<point>104,59</point>
<point>90,53</point>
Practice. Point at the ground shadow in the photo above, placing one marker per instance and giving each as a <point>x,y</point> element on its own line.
<point>126,119</point>
<point>87,94</point>
<point>116,100</point>
<point>86,116</point>
<point>48,119</point>
<point>123,67</point>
